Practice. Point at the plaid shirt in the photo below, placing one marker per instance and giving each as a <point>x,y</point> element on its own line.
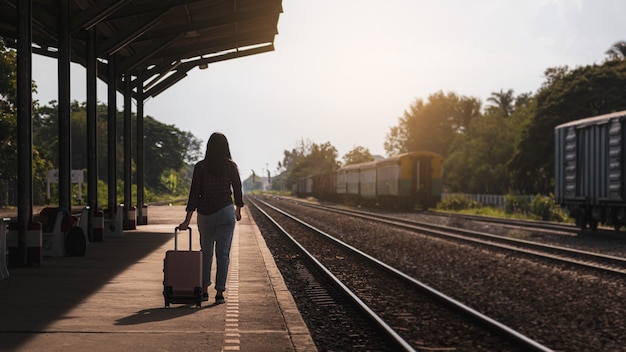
<point>209,193</point>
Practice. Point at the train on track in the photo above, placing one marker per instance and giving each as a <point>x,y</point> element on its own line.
<point>402,181</point>
<point>590,170</point>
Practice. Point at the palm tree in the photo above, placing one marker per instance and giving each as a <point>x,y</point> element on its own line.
<point>617,51</point>
<point>502,101</point>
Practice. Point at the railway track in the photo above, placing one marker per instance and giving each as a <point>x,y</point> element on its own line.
<point>565,306</point>
<point>398,317</point>
<point>544,226</point>
<point>537,225</point>
<point>581,258</point>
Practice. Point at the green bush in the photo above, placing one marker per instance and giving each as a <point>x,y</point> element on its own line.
<point>514,204</point>
<point>457,202</point>
<point>545,208</point>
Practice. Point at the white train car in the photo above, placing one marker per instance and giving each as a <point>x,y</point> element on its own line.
<point>352,180</point>
<point>401,181</point>
<point>348,182</point>
<point>367,181</point>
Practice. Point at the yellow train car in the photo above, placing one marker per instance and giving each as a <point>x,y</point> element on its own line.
<point>410,179</point>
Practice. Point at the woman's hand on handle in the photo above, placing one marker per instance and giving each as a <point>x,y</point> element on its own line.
<point>183,226</point>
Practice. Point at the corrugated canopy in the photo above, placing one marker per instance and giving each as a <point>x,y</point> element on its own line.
<point>156,41</point>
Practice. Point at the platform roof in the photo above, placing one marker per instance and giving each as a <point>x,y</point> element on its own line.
<point>156,41</point>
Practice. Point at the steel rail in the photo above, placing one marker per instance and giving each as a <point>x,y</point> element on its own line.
<point>389,331</point>
<point>510,333</point>
<point>532,248</point>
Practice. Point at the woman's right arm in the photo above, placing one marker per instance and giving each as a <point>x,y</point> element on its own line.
<point>185,224</point>
<point>192,201</point>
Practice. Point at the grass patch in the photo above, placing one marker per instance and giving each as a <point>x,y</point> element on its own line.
<point>541,208</point>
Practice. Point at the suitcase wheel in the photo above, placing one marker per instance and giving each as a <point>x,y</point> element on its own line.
<point>197,292</point>
<point>167,293</point>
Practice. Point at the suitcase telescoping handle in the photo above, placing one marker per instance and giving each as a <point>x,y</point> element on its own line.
<point>176,238</point>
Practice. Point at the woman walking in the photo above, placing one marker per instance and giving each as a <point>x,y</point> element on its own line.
<point>215,180</point>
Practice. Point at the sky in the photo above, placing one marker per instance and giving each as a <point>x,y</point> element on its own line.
<point>344,71</point>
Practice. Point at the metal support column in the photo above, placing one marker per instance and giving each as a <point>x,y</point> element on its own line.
<point>112,137</point>
<point>64,137</point>
<point>128,173</point>
<point>140,155</point>
<point>92,129</point>
<point>24,126</point>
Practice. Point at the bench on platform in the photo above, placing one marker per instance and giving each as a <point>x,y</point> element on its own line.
<point>53,243</point>
<point>114,227</point>
<point>83,223</point>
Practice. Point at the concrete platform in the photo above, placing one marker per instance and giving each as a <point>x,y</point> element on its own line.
<point>111,299</point>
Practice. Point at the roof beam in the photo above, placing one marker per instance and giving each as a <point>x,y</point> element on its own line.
<point>137,10</point>
<point>141,56</point>
<point>157,70</point>
<point>188,65</point>
<point>228,56</point>
<point>162,74</point>
<point>166,83</point>
<point>190,33</point>
<point>97,13</point>
<point>219,21</point>
<point>182,69</point>
<point>218,45</point>
<point>122,39</point>
<point>41,23</point>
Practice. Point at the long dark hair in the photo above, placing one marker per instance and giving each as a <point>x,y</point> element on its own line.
<point>217,155</point>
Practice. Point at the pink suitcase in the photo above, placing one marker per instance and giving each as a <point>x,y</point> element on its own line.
<point>182,271</point>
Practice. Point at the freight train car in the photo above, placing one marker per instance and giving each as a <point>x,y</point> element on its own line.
<point>590,170</point>
<point>404,180</point>
<point>409,179</point>
<point>348,183</point>
<point>367,183</point>
<point>324,186</point>
<point>304,187</point>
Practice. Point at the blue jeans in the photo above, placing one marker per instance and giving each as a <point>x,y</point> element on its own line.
<point>216,231</point>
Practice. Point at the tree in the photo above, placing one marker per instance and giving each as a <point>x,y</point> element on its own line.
<point>478,161</point>
<point>167,149</point>
<point>45,133</point>
<point>8,127</point>
<point>432,125</point>
<point>193,147</point>
<point>8,145</point>
<point>322,158</point>
<point>291,158</point>
<point>309,158</point>
<point>523,100</point>
<point>502,103</point>
<point>357,155</point>
<point>617,51</point>
<point>8,115</point>
<point>566,95</point>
